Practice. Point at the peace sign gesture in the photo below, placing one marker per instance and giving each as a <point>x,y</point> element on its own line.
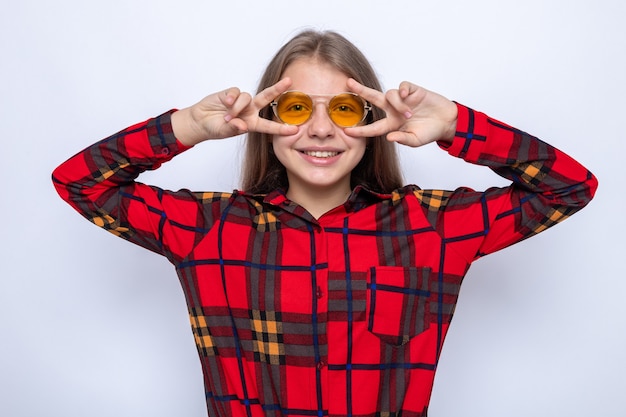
<point>414,116</point>
<point>229,113</point>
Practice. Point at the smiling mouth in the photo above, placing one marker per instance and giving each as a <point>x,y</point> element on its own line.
<point>320,154</point>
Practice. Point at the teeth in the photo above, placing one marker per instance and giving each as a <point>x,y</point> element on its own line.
<point>321,154</point>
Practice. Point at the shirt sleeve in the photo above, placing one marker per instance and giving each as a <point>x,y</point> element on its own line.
<point>547,186</point>
<point>99,182</point>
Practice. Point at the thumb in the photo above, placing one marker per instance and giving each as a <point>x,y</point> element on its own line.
<point>410,139</point>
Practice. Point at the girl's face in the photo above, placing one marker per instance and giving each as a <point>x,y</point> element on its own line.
<point>320,157</point>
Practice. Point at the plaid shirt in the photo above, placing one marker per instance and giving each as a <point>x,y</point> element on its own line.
<point>340,316</point>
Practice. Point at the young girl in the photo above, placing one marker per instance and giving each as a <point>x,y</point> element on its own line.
<point>324,286</point>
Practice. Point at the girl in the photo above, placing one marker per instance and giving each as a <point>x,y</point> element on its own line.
<point>324,286</point>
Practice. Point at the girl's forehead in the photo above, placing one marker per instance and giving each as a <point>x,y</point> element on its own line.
<point>316,77</point>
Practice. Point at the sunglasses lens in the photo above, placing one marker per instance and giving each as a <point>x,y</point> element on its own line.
<point>347,110</point>
<point>294,108</point>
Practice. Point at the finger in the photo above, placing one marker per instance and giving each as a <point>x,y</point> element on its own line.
<point>228,96</point>
<point>398,136</point>
<point>378,128</point>
<point>271,127</point>
<point>406,89</point>
<point>375,97</point>
<point>237,126</point>
<point>268,95</point>
<point>241,102</point>
<point>398,103</point>
<point>405,138</point>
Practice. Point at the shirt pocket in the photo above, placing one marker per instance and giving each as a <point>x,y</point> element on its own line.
<point>398,306</point>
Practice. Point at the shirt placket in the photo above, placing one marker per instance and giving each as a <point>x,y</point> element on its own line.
<point>333,373</point>
<point>320,290</point>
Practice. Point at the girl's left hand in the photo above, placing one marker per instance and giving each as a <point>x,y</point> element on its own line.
<point>414,116</point>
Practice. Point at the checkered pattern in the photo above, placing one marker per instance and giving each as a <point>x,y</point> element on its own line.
<point>341,316</point>
<point>267,334</point>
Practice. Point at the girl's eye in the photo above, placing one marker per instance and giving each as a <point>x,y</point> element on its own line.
<point>343,108</point>
<point>295,107</point>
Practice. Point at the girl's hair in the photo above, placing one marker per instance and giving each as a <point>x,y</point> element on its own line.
<point>379,169</point>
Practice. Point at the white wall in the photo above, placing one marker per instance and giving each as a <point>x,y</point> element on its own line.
<point>93,326</point>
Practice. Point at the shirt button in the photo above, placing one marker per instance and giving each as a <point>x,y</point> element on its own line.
<point>319,293</point>
<point>165,151</point>
<point>320,365</point>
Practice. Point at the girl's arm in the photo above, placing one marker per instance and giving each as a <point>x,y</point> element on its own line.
<point>100,182</point>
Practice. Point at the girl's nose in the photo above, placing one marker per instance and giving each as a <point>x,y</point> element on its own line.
<point>320,125</point>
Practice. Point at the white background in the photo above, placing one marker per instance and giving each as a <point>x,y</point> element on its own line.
<point>93,326</point>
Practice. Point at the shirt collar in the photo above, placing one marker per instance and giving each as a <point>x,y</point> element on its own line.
<point>359,198</point>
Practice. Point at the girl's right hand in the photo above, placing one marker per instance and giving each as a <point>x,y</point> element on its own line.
<point>229,113</point>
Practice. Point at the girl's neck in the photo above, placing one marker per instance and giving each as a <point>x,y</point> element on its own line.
<point>318,201</point>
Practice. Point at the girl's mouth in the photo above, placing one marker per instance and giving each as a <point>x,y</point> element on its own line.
<point>321,154</point>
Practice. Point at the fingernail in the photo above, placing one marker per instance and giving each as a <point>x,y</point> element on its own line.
<point>228,117</point>
<point>408,114</point>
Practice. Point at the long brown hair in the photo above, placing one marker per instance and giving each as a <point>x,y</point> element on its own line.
<point>379,170</point>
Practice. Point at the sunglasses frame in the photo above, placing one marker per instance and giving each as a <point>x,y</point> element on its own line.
<point>367,107</point>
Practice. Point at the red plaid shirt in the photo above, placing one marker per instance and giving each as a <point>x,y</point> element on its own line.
<point>341,316</point>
